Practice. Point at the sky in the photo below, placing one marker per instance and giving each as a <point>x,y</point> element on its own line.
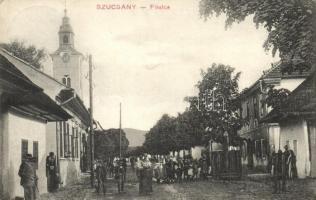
<point>148,59</point>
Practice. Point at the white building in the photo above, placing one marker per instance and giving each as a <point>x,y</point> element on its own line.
<point>259,137</point>
<point>67,139</point>
<point>24,113</point>
<point>297,121</point>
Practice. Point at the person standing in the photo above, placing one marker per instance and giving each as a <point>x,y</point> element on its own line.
<point>51,172</point>
<point>28,177</point>
<point>285,164</point>
<point>119,175</point>
<point>101,177</point>
<point>292,165</point>
<point>277,170</point>
<point>147,175</point>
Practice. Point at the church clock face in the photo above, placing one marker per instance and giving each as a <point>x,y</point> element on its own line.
<point>66,57</point>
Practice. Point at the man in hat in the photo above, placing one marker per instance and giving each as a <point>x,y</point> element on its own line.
<point>28,177</point>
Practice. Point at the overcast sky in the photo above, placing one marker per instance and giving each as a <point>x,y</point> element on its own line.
<point>147,59</point>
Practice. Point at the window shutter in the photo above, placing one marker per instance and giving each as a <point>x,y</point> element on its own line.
<point>24,147</point>
<point>35,153</point>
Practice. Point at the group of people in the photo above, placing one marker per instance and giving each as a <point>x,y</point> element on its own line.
<point>162,169</point>
<point>169,169</point>
<point>115,168</point>
<point>283,168</point>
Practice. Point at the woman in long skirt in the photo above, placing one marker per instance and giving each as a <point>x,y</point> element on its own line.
<point>146,175</point>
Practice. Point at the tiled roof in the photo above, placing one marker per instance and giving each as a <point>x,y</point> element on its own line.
<point>275,73</point>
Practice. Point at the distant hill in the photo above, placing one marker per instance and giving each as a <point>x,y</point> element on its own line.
<point>135,137</point>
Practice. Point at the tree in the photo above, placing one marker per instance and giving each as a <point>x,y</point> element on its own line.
<point>30,54</point>
<point>217,103</point>
<point>107,143</point>
<point>276,98</point>
<point>161,137</point>
<point>290,23</point>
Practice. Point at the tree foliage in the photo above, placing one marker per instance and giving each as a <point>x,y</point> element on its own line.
<point>174,133</point>
<point>217,102</point>
<point>30,54</point>
<point>216,112</point>
<point>277,97</point>
<point>289,23</point>
<point>107,143</point>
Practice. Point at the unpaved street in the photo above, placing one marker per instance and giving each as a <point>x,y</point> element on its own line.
<point>211,189</point>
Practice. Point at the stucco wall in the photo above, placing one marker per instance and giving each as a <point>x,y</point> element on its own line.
<point>290,84</point>
<point>297,130</point>
<point>69,170</point>
<point>51,138</point>
<point>18,128</point>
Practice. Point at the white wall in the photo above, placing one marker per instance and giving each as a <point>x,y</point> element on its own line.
<point>290,84</point>
<point>18,128</point>
<point>69,170</point>
<point>297,130</point>
<point>274,136</point>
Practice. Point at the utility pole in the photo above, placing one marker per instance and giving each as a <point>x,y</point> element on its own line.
<point>120,131</point>
<point>91,121</point>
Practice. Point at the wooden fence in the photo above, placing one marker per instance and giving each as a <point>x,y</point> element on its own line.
<point>226,164</point>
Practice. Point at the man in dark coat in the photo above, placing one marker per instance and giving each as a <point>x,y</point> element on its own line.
<point>51,172</point>
<point>285,174</point>
<point>28,177</point>
<point>101,177</point>
<point>277,170</point>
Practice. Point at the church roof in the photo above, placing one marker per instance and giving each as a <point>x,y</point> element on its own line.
<point>70,50</point>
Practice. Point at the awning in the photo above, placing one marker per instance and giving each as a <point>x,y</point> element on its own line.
<point>37,105</point>
<point>14,77</point>
<point>70,100</point>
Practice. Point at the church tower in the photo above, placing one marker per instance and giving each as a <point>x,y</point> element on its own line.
<point>66,60</point>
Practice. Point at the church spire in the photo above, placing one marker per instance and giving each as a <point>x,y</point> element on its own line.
<point>66,34</point>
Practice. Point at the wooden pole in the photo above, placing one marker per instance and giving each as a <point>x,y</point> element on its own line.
<point>91,121</point>
<point>120,130</point>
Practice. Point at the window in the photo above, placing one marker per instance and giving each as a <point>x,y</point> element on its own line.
<point>35,153</point>
<point>60,124</point>
<point>247,110</point>
<point>65,39</point>
<point>66,139</point>
<point>258,148</point>
<point>255,107</point>
<point>76,143</point>
<point>72,143</point>
<point>24,149</point>
<point>255,123</point>
<point>244,150</point>
<point>66,80</point>
<point>264,148</point>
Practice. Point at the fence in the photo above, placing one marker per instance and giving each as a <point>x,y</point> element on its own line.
<point>226,164</point>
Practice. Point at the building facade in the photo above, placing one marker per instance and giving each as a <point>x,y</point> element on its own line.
<point>260,138</point>
<point>24,113</point>
<point>297,120</point>
<point>68,138</point>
